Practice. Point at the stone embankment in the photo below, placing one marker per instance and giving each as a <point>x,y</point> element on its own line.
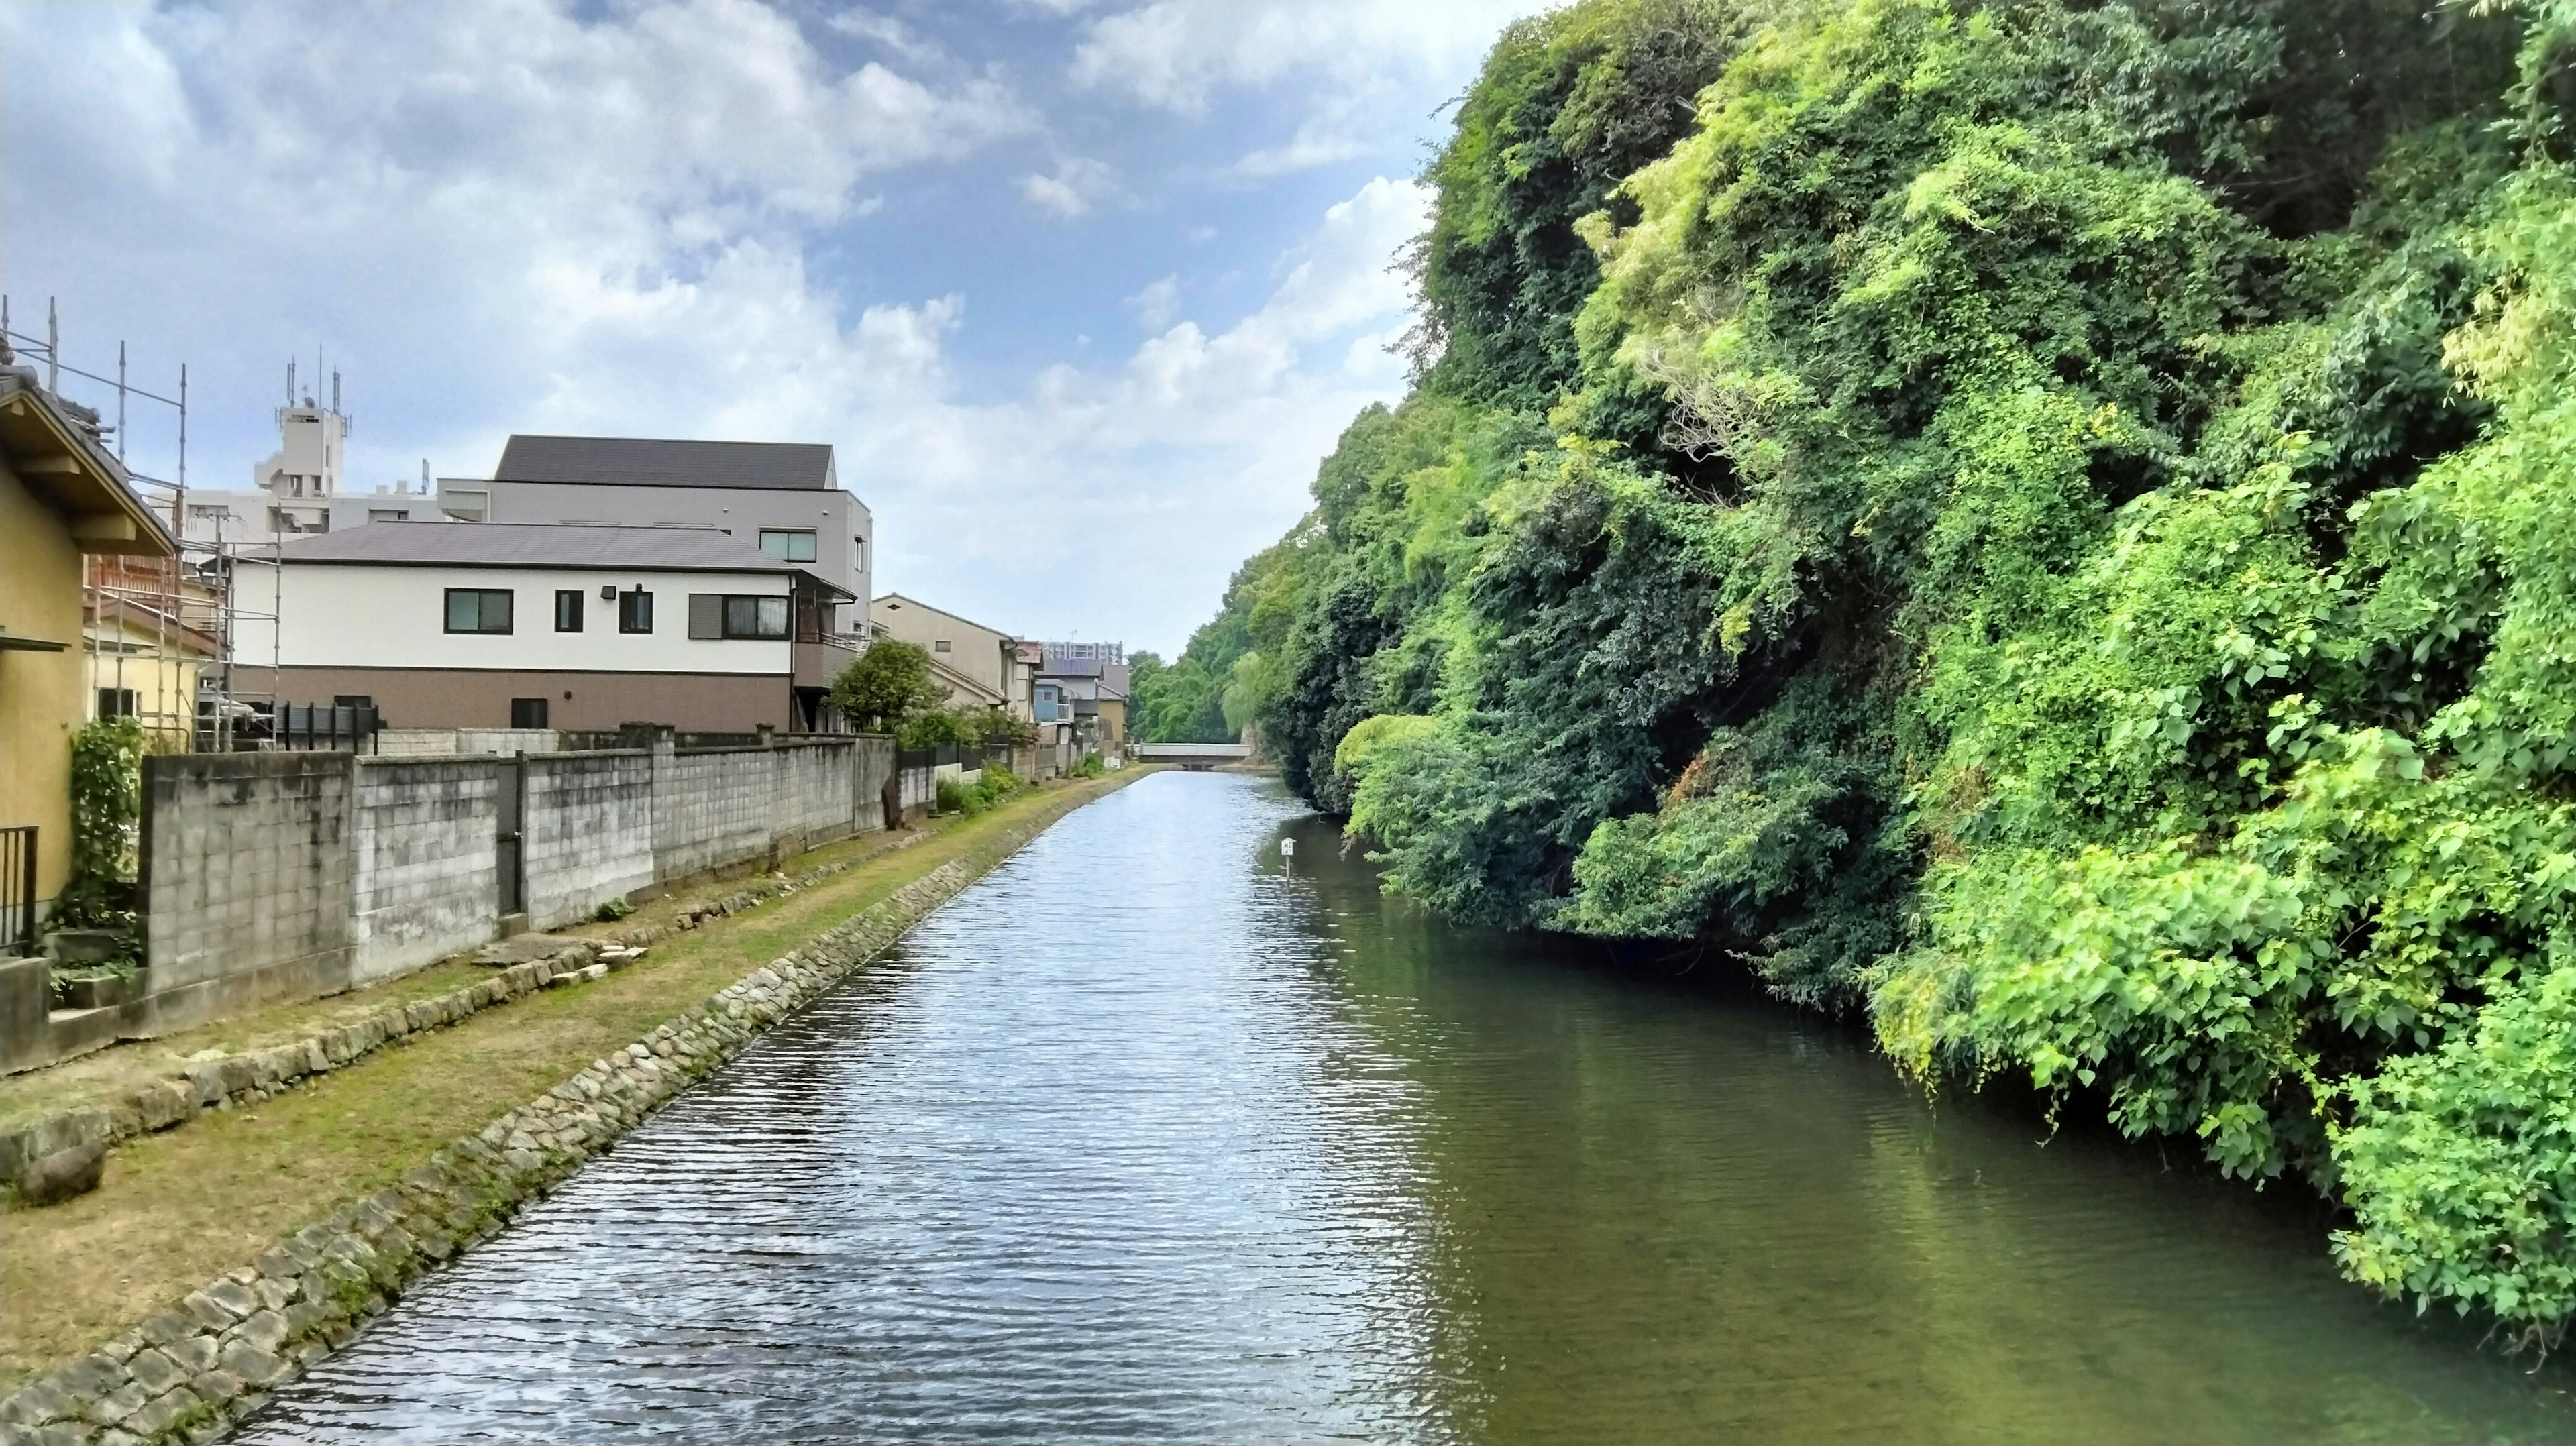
<point>189,1372</point>
<point>254,1075</point>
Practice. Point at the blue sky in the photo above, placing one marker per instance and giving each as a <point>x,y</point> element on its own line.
<point>1081,291</point>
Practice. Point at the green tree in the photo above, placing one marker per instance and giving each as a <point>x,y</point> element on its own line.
<point>2042,522</point>
<point>886,686</point>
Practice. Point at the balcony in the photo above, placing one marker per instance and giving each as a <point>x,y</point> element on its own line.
<point>820,657</point>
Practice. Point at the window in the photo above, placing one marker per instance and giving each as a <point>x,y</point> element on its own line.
<point>116,702</point>
<point>787,545</point>
<point>735,615</point>
<point>755,617</point>
<point>478,610</point>
<point>635,611</point>
<point>568,611</point>
<point>940,646</point>
<point>389,514</point>
<point>859,553</point>
<point>527,712</point>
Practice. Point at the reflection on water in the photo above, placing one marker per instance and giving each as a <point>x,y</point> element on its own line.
<point>1143,1138</point>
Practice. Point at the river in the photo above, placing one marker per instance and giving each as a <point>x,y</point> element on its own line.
<point>1149,1136</point>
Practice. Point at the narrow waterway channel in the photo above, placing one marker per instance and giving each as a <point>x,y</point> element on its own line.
<point>1148,1138</point>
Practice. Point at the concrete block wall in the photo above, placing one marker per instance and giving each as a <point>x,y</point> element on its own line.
<point>588,826</point>
<point>427,880</point>
<point>275,876</point>
<point>441,742</point>
<point>814,792</point>
<point>871,759</point>
<point>711,808</point>
<point>248,876</point>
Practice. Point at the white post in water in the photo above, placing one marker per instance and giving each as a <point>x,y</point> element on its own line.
<point>1288,851</point>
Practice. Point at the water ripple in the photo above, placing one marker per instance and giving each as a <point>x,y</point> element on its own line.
<point>1144,1139</point>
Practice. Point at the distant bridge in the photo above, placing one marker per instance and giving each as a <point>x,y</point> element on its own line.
<point>1193,756</point>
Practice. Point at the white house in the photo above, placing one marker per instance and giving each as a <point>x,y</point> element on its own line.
<point>502,625</point>
<point>783,497</point>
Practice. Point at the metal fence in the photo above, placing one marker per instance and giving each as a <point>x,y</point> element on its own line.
<point>966,755</point>
<point>18,891</point>
<point>325,728</point>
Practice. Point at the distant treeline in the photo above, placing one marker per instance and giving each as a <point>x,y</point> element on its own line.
<point>2050,523</point>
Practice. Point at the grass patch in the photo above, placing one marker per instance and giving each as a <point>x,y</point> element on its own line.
<point>180,1207</point>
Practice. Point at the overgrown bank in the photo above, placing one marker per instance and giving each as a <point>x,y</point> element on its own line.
<point>180,1208</point>
<point>2046,522</point>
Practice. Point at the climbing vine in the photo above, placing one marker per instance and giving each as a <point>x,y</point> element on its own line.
<point>107,808</point>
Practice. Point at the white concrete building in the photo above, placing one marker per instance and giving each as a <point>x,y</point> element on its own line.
<point>300,487</point>
<point>783,497</point>
<point>482,625</point>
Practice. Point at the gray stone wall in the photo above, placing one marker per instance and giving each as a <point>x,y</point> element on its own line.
<point>871,759</point>
<point>812,784</point>
<point>276,876</point>
<point>589,832</point>
<point>247,872</point>
<point>711,808</point>
<point>426,879</point>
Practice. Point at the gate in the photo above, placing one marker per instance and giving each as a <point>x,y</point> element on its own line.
<point>18,891</point>
<point>509,847</point>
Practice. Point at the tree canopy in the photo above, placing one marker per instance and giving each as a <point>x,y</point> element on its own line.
<point>2038,522</point>
<point>887,686</point>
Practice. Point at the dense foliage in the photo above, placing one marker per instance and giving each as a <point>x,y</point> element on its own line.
<point>2045,522</point>
<point>994,784</point>
<point>107,808</point>
<point>886,686</point>
<point>890,688</point>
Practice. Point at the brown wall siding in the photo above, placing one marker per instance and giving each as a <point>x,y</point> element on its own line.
<point>480,698</point>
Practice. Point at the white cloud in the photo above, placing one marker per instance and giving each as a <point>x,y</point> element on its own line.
<point>1156,305</point>
<point>1176,53</point>
<point>898,38</point>
<point>1075,186</point>
<point>504,218</point>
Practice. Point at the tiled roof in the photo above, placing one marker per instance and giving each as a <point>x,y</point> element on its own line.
<point>531,544</point>
<point>653,462</point>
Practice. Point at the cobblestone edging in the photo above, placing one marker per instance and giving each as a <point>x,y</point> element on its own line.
<point>254,1075</point>
<point>189,1372</point>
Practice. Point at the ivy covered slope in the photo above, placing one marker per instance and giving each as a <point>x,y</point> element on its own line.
<point>2047,522</point>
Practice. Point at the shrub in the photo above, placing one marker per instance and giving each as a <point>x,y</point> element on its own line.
<point>1089,767</point>
<point>999,783</point>
<point>957,796</point>
<point>614,909</point>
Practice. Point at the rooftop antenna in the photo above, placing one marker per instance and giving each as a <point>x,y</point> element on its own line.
<point>53,350</point>
<point>335,391</point>
<point>290,382</point>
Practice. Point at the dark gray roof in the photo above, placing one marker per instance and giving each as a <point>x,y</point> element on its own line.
<point>649,462</point>
<point>536,544</point>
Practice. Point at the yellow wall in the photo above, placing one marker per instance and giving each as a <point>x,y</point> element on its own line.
<point>40,693</point>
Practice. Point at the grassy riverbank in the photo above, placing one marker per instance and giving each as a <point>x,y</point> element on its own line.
<point>180,1207</point>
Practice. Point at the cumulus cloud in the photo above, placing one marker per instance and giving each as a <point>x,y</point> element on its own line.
<point>1176,53</point>
<point>1072,189</point>
<point>1156,305</point>
<point>527,215</point>
<point>896,37</point>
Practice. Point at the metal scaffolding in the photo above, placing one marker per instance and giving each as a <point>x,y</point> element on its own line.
<point>171,620</point>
